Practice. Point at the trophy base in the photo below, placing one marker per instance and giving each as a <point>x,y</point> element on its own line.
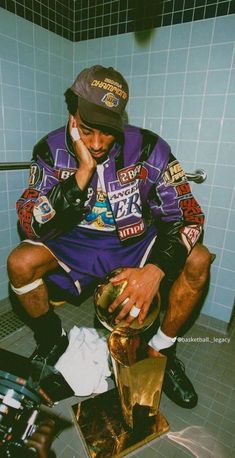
<point>103,431</point>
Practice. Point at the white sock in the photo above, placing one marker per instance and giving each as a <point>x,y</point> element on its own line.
<point>161,340</point>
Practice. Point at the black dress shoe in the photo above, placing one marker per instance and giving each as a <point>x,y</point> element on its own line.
<point>50,354</point>
<point>176,384</point>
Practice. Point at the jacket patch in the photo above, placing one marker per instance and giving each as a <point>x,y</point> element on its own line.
<point>43,210</point>
<point>174,174</point>
<point>190,235</point>
<point>132,230</point>
<point>126,202</point>
<point>131,173</point>
<point>191,210</point>
<point>63,174</point>
<point>34,174</point>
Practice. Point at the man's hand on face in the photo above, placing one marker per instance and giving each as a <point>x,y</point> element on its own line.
<point>142,286</point>
<point>85,159</point>
<point>87,164</point>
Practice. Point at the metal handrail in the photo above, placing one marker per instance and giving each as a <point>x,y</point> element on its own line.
<point>198,176</point>
<point>14,165</point>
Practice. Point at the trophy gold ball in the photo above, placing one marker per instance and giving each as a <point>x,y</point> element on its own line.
<point>106,293</point>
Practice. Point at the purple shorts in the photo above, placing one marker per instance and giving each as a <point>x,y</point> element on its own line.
<point>87,256</point>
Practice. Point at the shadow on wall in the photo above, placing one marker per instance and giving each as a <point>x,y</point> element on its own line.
<point>143,19</point>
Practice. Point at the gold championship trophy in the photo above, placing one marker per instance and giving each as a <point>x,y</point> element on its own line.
<point>123,419</point>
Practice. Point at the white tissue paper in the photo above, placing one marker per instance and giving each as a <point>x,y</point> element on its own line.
<point>84,364</point>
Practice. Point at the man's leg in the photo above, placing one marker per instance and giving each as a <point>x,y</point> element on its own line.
<point>26,265</point>
<point>183,298</point>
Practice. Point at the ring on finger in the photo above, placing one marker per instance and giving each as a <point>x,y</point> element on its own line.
<point>134,312</point>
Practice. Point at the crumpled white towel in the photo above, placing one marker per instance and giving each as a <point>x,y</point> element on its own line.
<point>84,364</point>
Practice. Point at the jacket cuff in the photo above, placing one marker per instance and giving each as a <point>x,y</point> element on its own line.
<point>71,191</point>
<point>170,265</point>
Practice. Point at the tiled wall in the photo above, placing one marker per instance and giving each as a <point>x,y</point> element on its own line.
<point>54,15</point>
<point>101,18</point>
<point>35,69</point>
<point>182,80</point>
<point>80,20</point>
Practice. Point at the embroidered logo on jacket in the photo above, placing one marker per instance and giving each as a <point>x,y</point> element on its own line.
<point>43,210</point>
<point>174,174</point>
<point>63,174</point>
<point>190,235</point>
<point>34,174</point>
<point>131,230</point>
<point>132,172</point>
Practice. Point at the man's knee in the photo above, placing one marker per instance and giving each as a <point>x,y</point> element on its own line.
<point>198,263</point>
<point>18,261</point>
<point>28,262</point>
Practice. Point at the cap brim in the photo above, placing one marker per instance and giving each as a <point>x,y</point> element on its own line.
<point>99,116</point>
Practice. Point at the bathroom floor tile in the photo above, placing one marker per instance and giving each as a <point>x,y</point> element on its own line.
<point>209,363</point>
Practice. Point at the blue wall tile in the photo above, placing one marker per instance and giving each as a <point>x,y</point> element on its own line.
<point>154,107</point>
<point>224,29</point>
<point>230,106</point>
<point>41,60</point>
<point>139,64</point>
<point>210,129</point>
<point>201,33</point>
<point>189,129</point>
<point>177,61</point>
<point>195,83</point>
<point>27,76</point>
<point>217,81</point>
<point>26,54</point>
<point>232,81</point>
<point>228,132</point>
<point>8,24</point>
<point>224,174</point>
<point>158,63</point>
<point>11,97</point>
<point>172,106</point>
<point>124,65</point>
<point>198,58</point>
<point>156,85</point>
<point>230,240</point>
<point>213,106</point>
<point>214,236</point>
<point>226,278</point>
<point>231,221</point>
<point>161,38</point>
<point>10,72</point>
<point>180,36</point>
<point>8,48</point>
<point>221,196</point>
<point>174,84</point>
<point>227,260</point>
<point>24,31</point>
<point>3,181</point>
<point>4,220</point>
<point>218,217</point>
<point>170,129</point>
<point>138,86</point>
<point>221,56</point>
<point>28,99</point>
<point>192,106</point>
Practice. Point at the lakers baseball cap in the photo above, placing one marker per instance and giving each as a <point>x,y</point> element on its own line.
<point>102,96</point>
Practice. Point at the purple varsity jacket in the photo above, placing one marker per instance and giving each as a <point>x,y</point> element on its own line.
<point>145,185</point>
